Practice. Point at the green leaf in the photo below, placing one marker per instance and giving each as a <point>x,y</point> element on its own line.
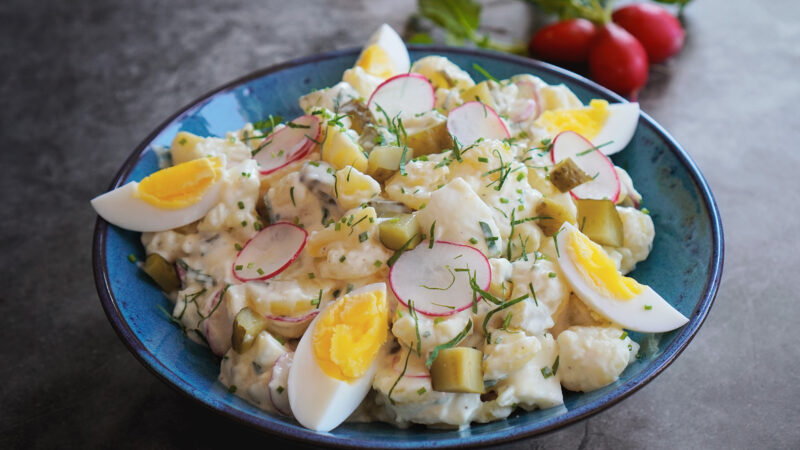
<point>459,17</point>
<point>420,38</point>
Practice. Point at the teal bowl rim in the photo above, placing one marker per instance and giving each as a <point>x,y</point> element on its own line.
<point>123,330</point>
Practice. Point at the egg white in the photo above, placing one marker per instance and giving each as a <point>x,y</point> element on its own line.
<point>319,402</point>
<point>124,209</point>
<point>630,314</point>
<point>387,39</point>
<point>618,128</point>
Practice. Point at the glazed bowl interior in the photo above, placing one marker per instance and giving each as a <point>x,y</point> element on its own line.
<point>684,266</point>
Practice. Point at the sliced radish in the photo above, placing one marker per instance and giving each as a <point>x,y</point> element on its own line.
<point>217,327</point>
<point>288,144</point>
<point>435,279</point>
<point>521,110</point>
<point>569,144</point>
<point>405,95</point>
<point>278,384</point>
<point>527,89</point>
<point>474,120</point>
<point>269,252</point>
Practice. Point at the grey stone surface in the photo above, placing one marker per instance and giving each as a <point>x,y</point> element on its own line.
<point>82,82</point>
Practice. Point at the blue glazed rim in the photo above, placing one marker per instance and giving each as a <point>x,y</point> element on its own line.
<point>698,316</point>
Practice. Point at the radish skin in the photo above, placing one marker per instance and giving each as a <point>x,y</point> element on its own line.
<point>288,144</point>
<point>569,144</point>
<point>403,96</point>
<point>474,120</point>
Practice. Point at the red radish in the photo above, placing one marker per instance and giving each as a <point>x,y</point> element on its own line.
<point>436,279</point>
<point>288,144</point>
<point>298,319</point>
<point>403,95</point>
<point>217,326</point>
<point>618,61</point>
<point>527,89</point>
<point>474,120</point>
<point>567,41</point>
<point>569,144</point>
<point>269,252</point>
<point>659,32</point>
<point>278,384</point>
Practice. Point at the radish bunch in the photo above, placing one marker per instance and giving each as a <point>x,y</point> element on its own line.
<point>618,49</point>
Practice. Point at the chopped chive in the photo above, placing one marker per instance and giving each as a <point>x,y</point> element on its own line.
<point>311,275</point>
<point>451,343</point>
<point>239,267</point>
<point>483,159</point>
<point>377,263</point>
<point>280,389</point>
<point>131,258</point>
<point>503,306</point>
<point>363,237</point>
<point>237,246</point>
<point>473,241</point>
<point>260,271</point>
<point>244,223</point>
<point>431,235</point>
<point>552,275</point>
<point>342,258</point>
<point>241,204</point>
<point>291,194</point>
<point>623,335</point>
<point>421,390</point>
<point>546,372</point>
<point>438,320</point>
<point>232,389</point>
<point>250,265</point>
<point>648,307</point>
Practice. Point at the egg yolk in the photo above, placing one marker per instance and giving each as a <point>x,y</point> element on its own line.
<point>585,121</point>
<point>375,61</point>
<point>181,185</point>
<point>598,268</point>
<point>349,334</point>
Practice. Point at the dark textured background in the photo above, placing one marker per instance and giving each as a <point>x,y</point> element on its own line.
<point>82,82</point>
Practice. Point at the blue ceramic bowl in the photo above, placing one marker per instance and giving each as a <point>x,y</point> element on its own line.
<point>684,266</point>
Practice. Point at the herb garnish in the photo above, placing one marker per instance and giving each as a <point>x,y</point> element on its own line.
<point>451,343</point>
<point>496,310</point>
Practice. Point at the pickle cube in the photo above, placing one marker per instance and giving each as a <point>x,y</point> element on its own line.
<point>556,215</point>
<point>395,232</point>
<point>458,369</point>
<point>600,222</point>
<point>246,327</point>
<point>162,272</point>
<point>566,175</point>
<point>432,139</point>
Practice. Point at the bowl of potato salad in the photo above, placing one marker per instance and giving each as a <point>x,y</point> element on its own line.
<point>394,247</point>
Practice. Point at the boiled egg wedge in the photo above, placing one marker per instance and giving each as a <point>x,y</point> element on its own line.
<point>385,55</point>
<point>610,127</point>
<point>595,279</point>
<point>167,199</point>
<point>336,359</point>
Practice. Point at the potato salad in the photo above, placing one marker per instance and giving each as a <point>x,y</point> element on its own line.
<point>419,247</point>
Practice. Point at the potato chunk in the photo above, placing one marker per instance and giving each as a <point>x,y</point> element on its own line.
<point>395,232</point>
<point>479,92</point>
<point>246,327</point>
<point>162,272</point>
<point>183,147</point>
<point>557,214</point>
<point>341,150</point>
<point>458,369</point>
<point>600,221</point>
<point>566,175</point>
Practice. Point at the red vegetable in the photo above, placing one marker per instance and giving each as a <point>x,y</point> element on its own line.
<point>566,41</point>
<point>617,60</point>
<point>659,32</point>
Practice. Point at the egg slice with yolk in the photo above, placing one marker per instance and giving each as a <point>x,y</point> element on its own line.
<point>166,199</point>
<point>385,54</point>
<point>336,359</point>
<point>594,277</point>
<point>610,126</point>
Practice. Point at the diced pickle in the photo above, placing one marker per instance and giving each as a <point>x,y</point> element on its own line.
<point>479,92</point>
<point>566,175</point>
<point>246,327</point>
<point>359,114</point>
<point>384,161</point>
<point>556,215</point>
<point>395,232</point>
<point>458,369</point>
<point>162,272</point>
<point>600,221</point>
<point>432,139</point>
